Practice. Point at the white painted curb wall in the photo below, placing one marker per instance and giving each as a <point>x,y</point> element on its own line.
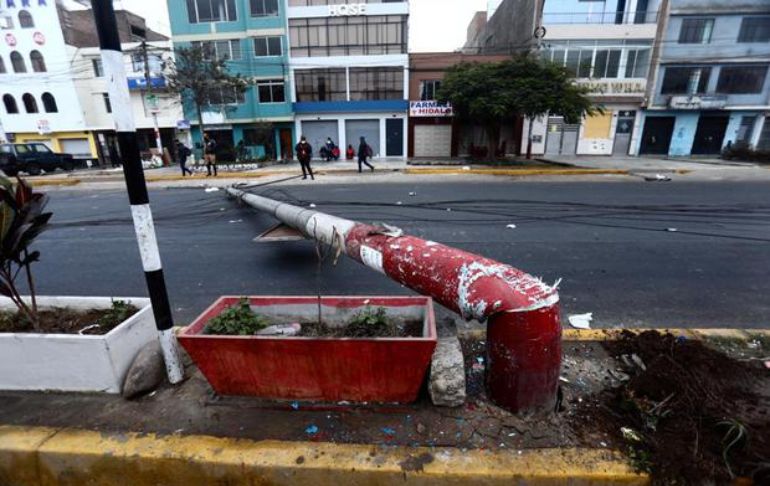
<point>71,362</point>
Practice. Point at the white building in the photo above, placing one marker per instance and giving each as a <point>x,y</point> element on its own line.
<point>51,79</point>
<point>349,72</point>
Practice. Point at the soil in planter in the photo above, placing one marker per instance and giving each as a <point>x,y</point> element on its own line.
<point>67,321</point>
<point>391,328</point>
<point>687,413</point>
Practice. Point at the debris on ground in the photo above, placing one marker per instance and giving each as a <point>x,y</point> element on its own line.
<point>311,429</point>
<point>146,372</point>
<point>212,189</point>
<point>233,221</point>
<point>412,194</point>
<point>281,330</point>
<point>311,205</point>
<point>511,226</point>
<point>658,178</point>
<point>581,321</point>
<point>688,414</point>
<point>672,230</point>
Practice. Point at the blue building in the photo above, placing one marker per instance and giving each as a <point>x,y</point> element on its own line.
<point>251,35</point>
<point>711,86</point>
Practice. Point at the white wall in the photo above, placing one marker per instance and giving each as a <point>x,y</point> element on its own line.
<point>46,37</point>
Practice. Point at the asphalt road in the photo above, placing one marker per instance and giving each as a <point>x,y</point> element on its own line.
<point>610,243</point>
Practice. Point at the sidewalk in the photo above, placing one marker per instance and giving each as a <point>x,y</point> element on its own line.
<point>645,164</point>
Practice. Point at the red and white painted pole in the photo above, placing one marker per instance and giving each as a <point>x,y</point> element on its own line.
<point>522,314</point>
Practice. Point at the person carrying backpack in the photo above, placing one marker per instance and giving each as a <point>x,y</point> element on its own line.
<point>364,151</point>
<point>304,153</point>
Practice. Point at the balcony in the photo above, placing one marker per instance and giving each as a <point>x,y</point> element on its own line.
<point>617,18</point>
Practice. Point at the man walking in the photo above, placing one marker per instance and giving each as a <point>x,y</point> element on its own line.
<point>210,154</point>
<point>304,154</point>
<point>182,153</point>
<point>364,152</point>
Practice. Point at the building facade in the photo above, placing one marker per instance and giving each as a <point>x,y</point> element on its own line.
<point>349,68</point>
<point>52,84</point>
<point>606,45</point>
<point>434,131</point>
<point>711,87</point>
<point>251,35</point>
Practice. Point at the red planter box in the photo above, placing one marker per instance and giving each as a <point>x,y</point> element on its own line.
<point>311,368</point>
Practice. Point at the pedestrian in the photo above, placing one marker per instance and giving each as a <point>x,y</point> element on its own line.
<point>210,154</point>
<point>182,153</point>
<point>330,149</point>
<point>304,154</point>
<point>364,151</point>
<point>350,153</point>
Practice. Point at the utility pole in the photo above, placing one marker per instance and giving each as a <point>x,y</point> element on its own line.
<point>153,109</point>
<point>115,72</point>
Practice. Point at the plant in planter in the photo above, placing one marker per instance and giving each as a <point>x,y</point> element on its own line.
<point>238,320</point>
<point>21,220</point>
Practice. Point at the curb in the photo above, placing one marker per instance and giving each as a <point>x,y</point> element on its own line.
<point>518,172</point>
<point>31,456</point>
<point>55,182</point>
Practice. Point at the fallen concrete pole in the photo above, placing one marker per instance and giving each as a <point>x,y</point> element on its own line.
<point>522,313</point>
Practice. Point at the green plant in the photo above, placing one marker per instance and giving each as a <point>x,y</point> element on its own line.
<point>369,323</point>
<point>117,313</point>
<point>21,221</point>
<point>735,435</point>
<point>238,320</point>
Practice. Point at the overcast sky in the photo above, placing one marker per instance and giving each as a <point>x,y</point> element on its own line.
<point>436,25</point>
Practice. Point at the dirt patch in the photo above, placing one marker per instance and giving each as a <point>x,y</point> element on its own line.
<point>68,321</point>
<point>687,413</point>
<point>416,463</point>
<point>391,328</point>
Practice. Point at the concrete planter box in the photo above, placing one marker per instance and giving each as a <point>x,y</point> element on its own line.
<point>388,370</point>
<point>71,362</point>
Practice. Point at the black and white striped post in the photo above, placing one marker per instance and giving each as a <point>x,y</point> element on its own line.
<point>115,72</point>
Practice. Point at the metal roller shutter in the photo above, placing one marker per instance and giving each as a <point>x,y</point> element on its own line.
<point>433,140</point>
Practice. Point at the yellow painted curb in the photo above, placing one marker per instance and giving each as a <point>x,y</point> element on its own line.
<point>54,182</point>
<point>518,172</point>
<point>35,456</point>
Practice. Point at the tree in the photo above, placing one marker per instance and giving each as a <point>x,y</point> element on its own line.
<point>492,94</point>
<point>201,78</point>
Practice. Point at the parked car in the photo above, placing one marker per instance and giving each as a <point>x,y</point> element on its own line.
<point>32,158</point>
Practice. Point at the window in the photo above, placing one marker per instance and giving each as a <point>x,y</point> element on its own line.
<point>225,97</point>
<point>224,49</point>
<point>107,103</point>
<point>637,63</point>
<point>321,85</point>
<point>25,20</point>
<point>685,80</point>
<point>263,8</point>
<point>37,61</point>
<point>271,91</point>
<point>2,65</point>
<point>741,79</point>
<point>49,103</point>
<point>755,29</point>
<point>696,31</point>
<point>211,11</point>
<point>22,149</point>
<point>607,63</point>
<point>6,22</point>
<point>39,148</point>
<point>18,63</point>
<point>30,104</point>
<point>98,68</point>
<point>10,104</point>
<point>267,46</point>
<point>348,36</point>
<point>382,83</point>
<point>428,90</point>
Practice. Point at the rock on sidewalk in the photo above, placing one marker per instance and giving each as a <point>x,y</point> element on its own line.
<point>447,374</point>
<point>147,371</point>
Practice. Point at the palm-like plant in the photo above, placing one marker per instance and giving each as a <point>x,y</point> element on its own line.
<point>21,221</point>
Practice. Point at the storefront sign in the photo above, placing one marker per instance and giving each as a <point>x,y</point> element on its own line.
<point>183,124</point>
<point>39,38</point>
<point>429,108</point>
<point>43,127</point>
<point>697,102</point>
<point>347,10</point>
<point>614,86</point>
<point>10,40</point>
